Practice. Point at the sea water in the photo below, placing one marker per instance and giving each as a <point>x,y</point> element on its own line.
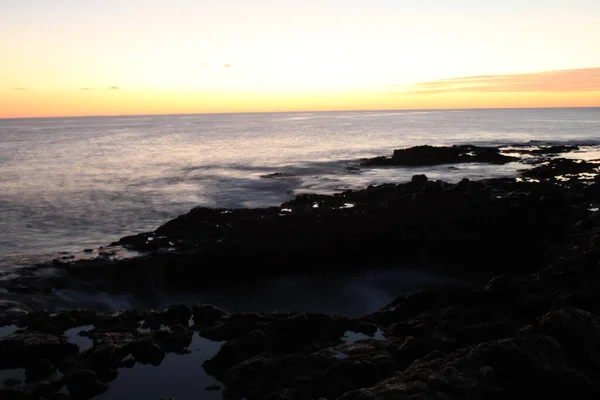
<point>72,183</point>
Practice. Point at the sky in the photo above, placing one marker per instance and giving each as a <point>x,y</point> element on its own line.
<point>116,57</point>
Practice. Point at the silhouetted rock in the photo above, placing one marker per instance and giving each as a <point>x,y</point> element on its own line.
<point>206,315</point>
<point>15,394</point>
<point>39,369</point>
<point>84,384</point>
<point>563,169</point>
<point>432,155</point>
<point>21,350</point>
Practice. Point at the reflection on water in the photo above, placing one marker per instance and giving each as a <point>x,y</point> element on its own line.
<point>179,376</point>
<point>353,337</point>
<point>7,330</point>
<point>73,336</point>
<point>12,374</point>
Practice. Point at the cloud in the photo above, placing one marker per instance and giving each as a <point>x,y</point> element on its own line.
<point>227,65</point>
<point>571,80</point>
<point>203,64</point>
<point>114,88</point>
<point>87,88</point>
<point>20,88</point>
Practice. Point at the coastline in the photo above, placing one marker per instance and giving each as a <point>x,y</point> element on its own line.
<point>531,241</point>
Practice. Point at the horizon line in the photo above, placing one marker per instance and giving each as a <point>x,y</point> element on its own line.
<point>302,111</point>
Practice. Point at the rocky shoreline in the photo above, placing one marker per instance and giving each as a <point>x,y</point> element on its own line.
<point>526,326</point>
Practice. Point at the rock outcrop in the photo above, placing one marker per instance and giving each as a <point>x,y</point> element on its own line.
<point>436,155</point>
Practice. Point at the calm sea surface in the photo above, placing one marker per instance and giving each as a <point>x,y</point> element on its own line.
<point>71,183</point>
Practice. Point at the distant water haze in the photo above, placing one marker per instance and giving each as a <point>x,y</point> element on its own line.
<point>71,183</point>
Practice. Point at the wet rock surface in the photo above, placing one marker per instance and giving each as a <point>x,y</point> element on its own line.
<point>529,329</point>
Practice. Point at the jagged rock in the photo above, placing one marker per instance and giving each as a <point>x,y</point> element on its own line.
<point>39,369</point>
<point>502,369</point>
<point>176,340</point>
<point>22,349</point>
<point>177,314</point>
<point>578,332</point>
<point>57,396</point>
<point>562,167</point>
<point>102,358</point>
<point>147,352</point>
<point>206,315</point>
<point>276,333</point>
<point>84,384</point>
<point>308,374</point>
<point>432,155</point>
<point>14,394</point>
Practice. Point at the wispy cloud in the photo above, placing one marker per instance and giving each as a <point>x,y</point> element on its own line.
<point>87,88</point>
<point>227,65</point>
<point>114,88</point>
<point>572,80</point>
<point>20,88</point>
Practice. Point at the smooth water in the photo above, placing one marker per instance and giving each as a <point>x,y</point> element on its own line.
<point>71,183</point>
<point>178,376</point>
<point>181,376</point>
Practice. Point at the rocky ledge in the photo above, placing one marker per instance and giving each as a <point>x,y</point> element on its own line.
<point>436,155</point>
<point>433,155</point>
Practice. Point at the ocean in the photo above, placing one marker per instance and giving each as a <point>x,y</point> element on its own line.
<point>67,184</point>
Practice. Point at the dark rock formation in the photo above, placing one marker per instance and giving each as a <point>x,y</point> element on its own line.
<point>84,384</point>
<point>466,227</point>
<point>22,350</point>
<point>433,155</point>
<point>39,369</point>
<point>562,169</point>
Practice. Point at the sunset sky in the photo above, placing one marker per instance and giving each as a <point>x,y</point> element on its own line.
<point>109,57</point>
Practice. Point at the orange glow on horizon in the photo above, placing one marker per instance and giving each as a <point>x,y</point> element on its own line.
<point>110,57</point>
<point>30,103</point>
